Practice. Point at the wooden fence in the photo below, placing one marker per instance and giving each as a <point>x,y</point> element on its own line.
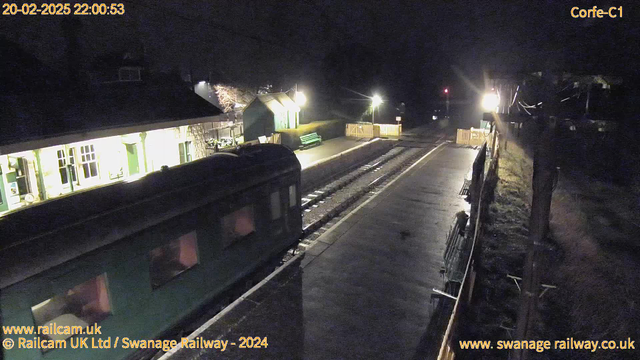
<point>362,130</point>
<point>390,129</point>
<point>371,131</point>
<point>473,137</point>
<point>478,190</point>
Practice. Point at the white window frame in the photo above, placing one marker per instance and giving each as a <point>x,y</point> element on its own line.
<point>68,162</point>
<point>88,157</point>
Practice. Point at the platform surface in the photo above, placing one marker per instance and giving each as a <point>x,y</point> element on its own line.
<point>327,149</point>
<point>363,290</point>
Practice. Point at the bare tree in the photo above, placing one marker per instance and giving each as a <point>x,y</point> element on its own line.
<point>229,96</point>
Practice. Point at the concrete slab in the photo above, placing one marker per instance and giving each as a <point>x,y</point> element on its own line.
<point>364,292</point>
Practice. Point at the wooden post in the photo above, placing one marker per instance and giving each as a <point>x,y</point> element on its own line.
<point>543,176</point>
<point>477,177</point>
<point>493,141</point>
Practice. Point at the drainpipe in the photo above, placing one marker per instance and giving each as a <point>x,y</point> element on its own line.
<point>71,167</point>
<point>143,140</point>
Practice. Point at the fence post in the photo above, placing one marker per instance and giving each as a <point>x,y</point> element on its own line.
<point>477,177</point>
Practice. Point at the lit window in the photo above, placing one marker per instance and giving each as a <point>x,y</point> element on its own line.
<point>275,205</point>
<point>66,167</point>
<point>185,151</point>
<point>170,260</point>
<point>84,305</point>
<point>89,162</point>
<point>292,195</point>
<point>237,225</point>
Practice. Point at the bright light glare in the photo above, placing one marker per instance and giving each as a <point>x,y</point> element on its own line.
<point>376,100</point>
<point>446,91</point>
<point>490,102</point>
<point>300,98</point>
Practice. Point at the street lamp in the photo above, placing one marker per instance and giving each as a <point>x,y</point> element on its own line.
<point>376,100</point>
<point>300,98</point>
<point>490,102</point>
<point>446,91</point>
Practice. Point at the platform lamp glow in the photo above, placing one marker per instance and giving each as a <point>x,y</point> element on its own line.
<point>300,98</point>
<point>446,92</point>
<point>490,102</point>
<point>376,100</point>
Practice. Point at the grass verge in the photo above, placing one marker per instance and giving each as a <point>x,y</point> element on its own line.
<point>593,257</point>
<point>504,239</point>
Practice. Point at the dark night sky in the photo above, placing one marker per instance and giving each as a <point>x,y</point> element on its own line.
<point>404,49</point>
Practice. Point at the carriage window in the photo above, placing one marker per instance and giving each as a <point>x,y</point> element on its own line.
<point>275,205</point>
<point>292,195</point>
<point>170,260</point>
<point>237,225</point>
<point>77,308</point>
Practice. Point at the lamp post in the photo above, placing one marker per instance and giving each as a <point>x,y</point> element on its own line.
<point>490,102</point>
<point>300,100</point>
<point>376,100</point>
<point>446,92</point>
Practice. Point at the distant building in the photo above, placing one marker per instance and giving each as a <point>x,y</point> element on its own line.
<point>268,113</point>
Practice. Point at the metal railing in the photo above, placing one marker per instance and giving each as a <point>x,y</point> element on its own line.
<point>479,206</point>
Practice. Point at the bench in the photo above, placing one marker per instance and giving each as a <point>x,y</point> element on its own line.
<point>310,139</point>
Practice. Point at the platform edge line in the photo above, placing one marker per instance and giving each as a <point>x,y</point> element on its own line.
<point>231,306</point>
<point>335,226</point>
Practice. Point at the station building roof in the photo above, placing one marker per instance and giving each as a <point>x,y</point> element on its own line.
<point>277,102</point>
<point>30,117</point>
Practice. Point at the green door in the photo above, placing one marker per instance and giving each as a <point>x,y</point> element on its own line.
<point>3,197</point>
<point>132,159</point>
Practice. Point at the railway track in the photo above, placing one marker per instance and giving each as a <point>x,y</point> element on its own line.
<point>328,210</point>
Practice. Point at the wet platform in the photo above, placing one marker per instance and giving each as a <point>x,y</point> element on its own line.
<point>326,149</point>
<point>363,290</point>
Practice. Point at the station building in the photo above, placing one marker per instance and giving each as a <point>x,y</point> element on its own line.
<point>269,113</point>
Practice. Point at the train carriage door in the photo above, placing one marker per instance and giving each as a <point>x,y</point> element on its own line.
<point>290,203</point>
<point>275,207</point>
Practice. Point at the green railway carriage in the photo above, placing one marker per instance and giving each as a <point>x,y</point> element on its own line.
<point>138,257</point>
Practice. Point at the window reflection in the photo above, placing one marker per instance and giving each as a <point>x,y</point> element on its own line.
<point>169,260</point>
<point>238,224</point>
<point>81,306</point>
